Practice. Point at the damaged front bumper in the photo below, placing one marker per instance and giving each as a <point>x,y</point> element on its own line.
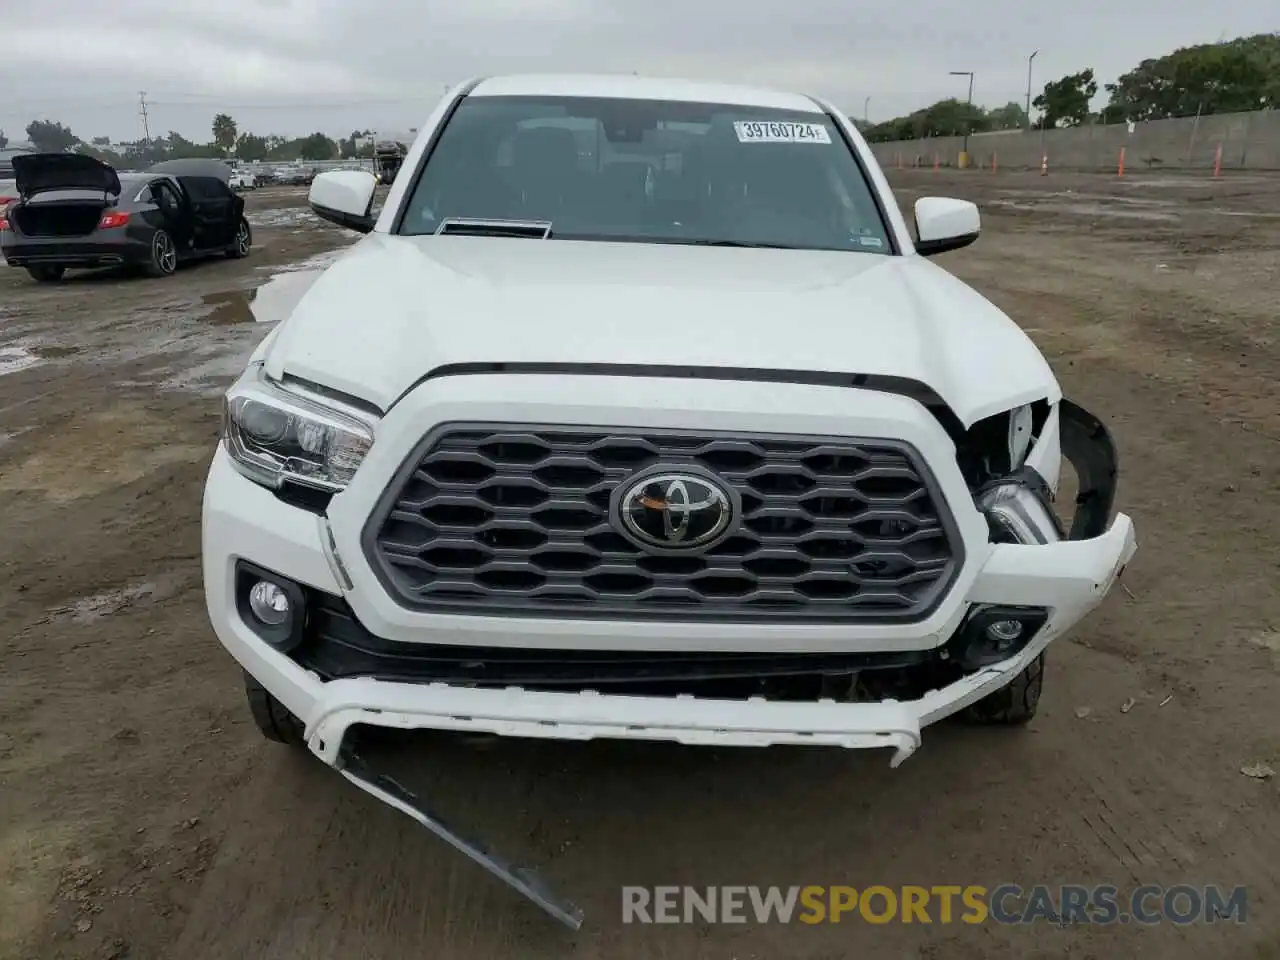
<point>1079,572</point>
<point>1074,575</point>
<point>1062,578</point>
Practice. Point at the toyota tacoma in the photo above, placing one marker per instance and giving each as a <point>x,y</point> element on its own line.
<point>640,412</point>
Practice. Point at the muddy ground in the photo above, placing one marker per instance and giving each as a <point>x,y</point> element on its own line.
<point>141,815</point>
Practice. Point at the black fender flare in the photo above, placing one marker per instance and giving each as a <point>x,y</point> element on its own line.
<point>1089,448</point>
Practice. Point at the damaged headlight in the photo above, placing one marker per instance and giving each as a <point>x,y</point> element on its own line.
<point>275,435</point>
<point>1019,510</point>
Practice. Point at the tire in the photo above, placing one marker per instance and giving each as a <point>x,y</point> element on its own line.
<point>273,720</point>
<point>46,272</point>
<point>1013,705</point>
<point>164,255</point>
<point>239,248</point>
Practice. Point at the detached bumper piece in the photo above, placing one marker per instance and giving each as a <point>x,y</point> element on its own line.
<point>518,878</point>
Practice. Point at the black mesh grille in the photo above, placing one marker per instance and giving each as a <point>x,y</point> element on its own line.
<point>515,519</point>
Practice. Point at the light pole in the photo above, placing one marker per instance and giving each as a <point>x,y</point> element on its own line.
<point>968,117</point>
<point>1030,59</point>
<point>866,107</point>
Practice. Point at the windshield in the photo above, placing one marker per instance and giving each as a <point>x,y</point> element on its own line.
<point>649,171</point>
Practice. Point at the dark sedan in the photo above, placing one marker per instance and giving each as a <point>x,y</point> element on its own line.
<point>75,211</point>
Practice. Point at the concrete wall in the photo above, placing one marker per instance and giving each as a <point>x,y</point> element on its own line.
<point>1249,141</point>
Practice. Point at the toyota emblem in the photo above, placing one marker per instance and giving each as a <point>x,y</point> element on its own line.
<point>675,510</point>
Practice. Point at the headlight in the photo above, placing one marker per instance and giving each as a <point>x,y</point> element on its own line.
<point>274,435</point>
<point>1017,513</point>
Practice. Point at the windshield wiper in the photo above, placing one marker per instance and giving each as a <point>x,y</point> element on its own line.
<point>466,226</point>
<point>745,244</point>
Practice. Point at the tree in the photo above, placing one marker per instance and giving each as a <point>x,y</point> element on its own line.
<point>251,147</point>
<point>1238,75</point>
<point>101,141</point>
<point>4,141</point>
<point>350,148</point>
<point>317,147</point>
<point>49,137</point>
<point>224,131</point>
<point>108,157</point>
<point>1011,116</point>
<point>1065,102</point>
<point>179,147</point>
<point>946,118</point>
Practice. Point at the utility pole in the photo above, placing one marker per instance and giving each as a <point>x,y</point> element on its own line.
<point>1029,62</point>
<point>866,106</point>
<point>142,109</point>
<point>968,118</point>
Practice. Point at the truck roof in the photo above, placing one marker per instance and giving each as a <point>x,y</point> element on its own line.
<point>640,88</point>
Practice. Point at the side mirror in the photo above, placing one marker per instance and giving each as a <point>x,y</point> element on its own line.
<point>944,224</point>
<point>344,197</point>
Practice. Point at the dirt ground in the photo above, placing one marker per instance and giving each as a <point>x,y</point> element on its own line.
<point>141,816</point>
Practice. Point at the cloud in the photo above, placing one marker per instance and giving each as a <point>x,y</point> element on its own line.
<point>294,66</point>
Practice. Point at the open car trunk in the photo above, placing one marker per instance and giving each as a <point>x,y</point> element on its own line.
<point>61,194</point>
<point>65,213</point>
<point>41,172</point>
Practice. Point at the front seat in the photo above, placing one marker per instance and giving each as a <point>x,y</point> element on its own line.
<point>544,166</point>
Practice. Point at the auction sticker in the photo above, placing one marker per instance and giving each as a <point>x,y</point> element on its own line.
<point>780,131</point>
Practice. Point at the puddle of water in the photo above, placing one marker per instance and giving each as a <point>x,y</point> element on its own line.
<point>282,217</point>
<point>275,299</point>
<point>54,351</point>
<point>13,359</point>
<point>89,609</point>
<point>269,303</point>
<point>317,262</point>
<point>229,306</point>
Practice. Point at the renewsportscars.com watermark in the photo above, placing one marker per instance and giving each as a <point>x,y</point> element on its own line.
<point>1004,904</point>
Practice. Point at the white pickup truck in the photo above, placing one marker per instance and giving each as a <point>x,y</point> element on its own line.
<point>640,412</point>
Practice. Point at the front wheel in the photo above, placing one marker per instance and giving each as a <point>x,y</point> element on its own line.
<point>46,273</point>
<point>239,248</point>
<point>164,255</point>
<point>1013,705</point>
<point>271,717</point>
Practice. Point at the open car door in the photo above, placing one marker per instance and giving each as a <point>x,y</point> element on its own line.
<point>215,208</point>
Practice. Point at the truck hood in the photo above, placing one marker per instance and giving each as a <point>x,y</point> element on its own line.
<point>393,309</point>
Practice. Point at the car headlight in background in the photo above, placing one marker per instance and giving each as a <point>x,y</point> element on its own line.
<point>276,435</point>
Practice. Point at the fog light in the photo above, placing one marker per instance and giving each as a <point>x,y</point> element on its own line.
<point>991,634</point>
<point>272,606</point>
<point>269,603</point>
<point>1004,631</point>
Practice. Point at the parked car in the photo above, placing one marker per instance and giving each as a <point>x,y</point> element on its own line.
<point>76,211</point>
<point>6,160</point>
<point>295,175</point>
<point>243,179</point>
<point>8,194</point>
<point>693,442</point>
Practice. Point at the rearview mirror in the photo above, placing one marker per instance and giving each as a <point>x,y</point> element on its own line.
<point>944,224</point>
<point>344,197</point>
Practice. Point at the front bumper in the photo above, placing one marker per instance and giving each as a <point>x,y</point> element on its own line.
<point>243,521</point>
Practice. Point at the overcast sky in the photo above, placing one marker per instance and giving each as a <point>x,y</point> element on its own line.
<point>295,66</point>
